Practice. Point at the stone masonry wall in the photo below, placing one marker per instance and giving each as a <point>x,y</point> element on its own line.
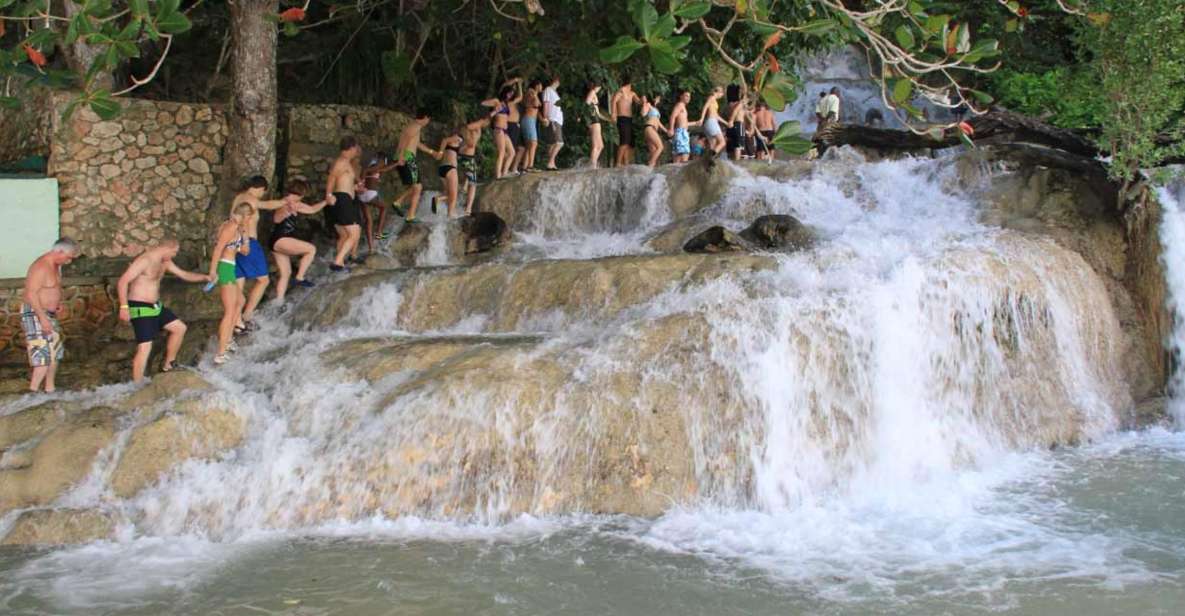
<point>26,131</point>
<point>87,306</point>
<point>314,133</point>
<point>147,175</point>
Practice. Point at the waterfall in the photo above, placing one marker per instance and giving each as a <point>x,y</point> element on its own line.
<point>1172,238</point>
<point>912,345</point>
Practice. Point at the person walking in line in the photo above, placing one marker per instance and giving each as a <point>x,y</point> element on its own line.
<point>286,243</point>
<point>139,304</point>
<point>831,107</point>
<point>651,128</point>
<point>589,114</point>
<point>735,136</point>
<point>553,119</point>
<point>253,266</point>
<point>503,142</point>
<point>680,138</point>
<point>621,108</point>
<point>230,241</point>
<point>339,193</point>
<point>530,126</point>
<point>447,154</point>
<point>41,301</point>
<point>709,118</point>
<point>405,161</point>
<point>764,122</point>
<point>467,159</point>
<point>821,111</point>
<point>369,197</point>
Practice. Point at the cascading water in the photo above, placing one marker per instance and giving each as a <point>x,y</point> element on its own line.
<point>865,421</point>
<point>1172,238</point>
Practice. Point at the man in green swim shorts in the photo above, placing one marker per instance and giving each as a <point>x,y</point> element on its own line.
<point>140,305</point>
<point>409,170</point>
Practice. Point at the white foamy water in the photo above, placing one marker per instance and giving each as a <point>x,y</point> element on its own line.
<point>864,426</point>
<point>1172,239</point>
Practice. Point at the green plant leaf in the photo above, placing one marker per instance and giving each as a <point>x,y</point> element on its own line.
<point>981,97</point>
<point>679,41</point>
<point>97,8</point>
<point>773,97</point>
<point>127,49</point>
<point>935,23</point>
<point>291,29</point>
<point>172,23</point>
<point>664,58</point>
<point>902,90</point>
<point>789,139</point>
<point>621,50</point>
<point>10,102</point>
<point>646,17</point>
<point>817,27</point>
<point>905,37</point>
<point>966,140</point>
<point>139,8</point>
<point>693,10</point>
<point>104,106</point>
<point>664,27</point>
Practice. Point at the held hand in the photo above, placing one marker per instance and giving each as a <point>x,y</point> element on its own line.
<point>331,199</point>
<point>124,314</point>
<point>211,277</point>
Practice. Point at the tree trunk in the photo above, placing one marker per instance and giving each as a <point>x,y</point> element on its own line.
<point>80,55</point>
<point>252,114</point>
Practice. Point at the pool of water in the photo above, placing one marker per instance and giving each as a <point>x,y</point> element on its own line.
<point>1094,530</point>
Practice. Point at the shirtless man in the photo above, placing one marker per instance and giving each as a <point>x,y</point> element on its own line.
<point>467,158</point>
<point>405,161</point>
<point>339,193</point>
<point>139,303</point>
<point>681,141</point>
<point>42,299</point>
<point>763,119</point>
<point>253,266</point>
<point>621,107</point>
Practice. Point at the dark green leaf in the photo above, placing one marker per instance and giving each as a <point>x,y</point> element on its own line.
<point>104,106</point>
<point>172,23</point>
<point>646,17</point>
<point>762,28</point>
<point>773,97</point>
<point>97,8</point>
<point>981,97</point>
<point>621,50</point>
<point>693,10</point>
<point>966,140</point>
<point>935,23</point>
<point>679,42</point>
<point>10,102</point>
<point>904,37</point>
<point>139,8</point>
<point>664,58</point>
<point>664,27</point>
<point>818,26</point>
<point>127,49</point>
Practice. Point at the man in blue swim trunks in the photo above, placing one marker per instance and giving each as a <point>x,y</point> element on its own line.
<point>681,142</point>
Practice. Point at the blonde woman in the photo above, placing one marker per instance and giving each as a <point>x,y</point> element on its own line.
<point>232,240</point>
<point>709,118</point>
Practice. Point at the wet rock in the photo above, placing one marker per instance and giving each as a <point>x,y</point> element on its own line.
<point>163,387</point>
<point>193,431</point>
<point>779,232</point>
<point>481,232</point>
<point>409,243</point>
<point>60,460</point>
<point>715,240</point>
<point>670,238</point>
<point>48,527</point>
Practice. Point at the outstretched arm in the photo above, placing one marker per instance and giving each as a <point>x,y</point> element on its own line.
<point>274,204</point>
<point>310,209</point>
<point>185,275</point>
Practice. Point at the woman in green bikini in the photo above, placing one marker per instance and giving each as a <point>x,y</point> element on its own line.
<point>589,114</point>
<point>232,240</point>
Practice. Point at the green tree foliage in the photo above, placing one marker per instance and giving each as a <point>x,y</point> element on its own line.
<point>1138,49</point>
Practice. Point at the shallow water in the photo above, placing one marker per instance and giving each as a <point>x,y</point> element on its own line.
<point>1096,530</point>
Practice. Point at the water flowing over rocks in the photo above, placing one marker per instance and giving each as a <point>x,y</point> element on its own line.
<point>899,319</point>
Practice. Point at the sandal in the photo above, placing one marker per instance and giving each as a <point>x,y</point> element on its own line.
<point>166,367</point>
<point>220,359</point>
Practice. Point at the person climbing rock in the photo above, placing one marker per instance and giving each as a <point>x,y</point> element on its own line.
<point>339,193</point>
<point>139,304</point>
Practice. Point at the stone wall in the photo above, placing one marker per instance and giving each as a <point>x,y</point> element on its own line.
<point>87,305</point>
<point>26,131</point>
<point>312,135</point>
<point>147,175</point>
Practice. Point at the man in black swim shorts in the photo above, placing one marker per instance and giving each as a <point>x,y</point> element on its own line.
<point>139,303</point>
<point>622,108</point>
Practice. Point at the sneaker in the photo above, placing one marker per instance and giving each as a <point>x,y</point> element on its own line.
<point>338,268</point>
<point>220,359</point>
<point>308,284</point>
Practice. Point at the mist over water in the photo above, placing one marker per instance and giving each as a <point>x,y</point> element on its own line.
<point>866,426</point>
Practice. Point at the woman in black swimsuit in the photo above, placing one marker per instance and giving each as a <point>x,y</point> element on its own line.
<point>449,148</point>
<point>286,244</point>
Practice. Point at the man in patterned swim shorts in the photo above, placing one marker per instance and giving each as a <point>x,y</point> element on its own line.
<point>42,299</point>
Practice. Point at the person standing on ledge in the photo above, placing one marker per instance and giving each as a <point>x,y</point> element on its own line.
<point>821,111</point>
<point>254,265</point>
<point>680,138</point>
<point>42,299</point>
<point>621,106</point>
<point>405,161</point>
<point>139,304</point>
<point>553,119</point>
<point>831,111</point>
<point>339,193</point>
